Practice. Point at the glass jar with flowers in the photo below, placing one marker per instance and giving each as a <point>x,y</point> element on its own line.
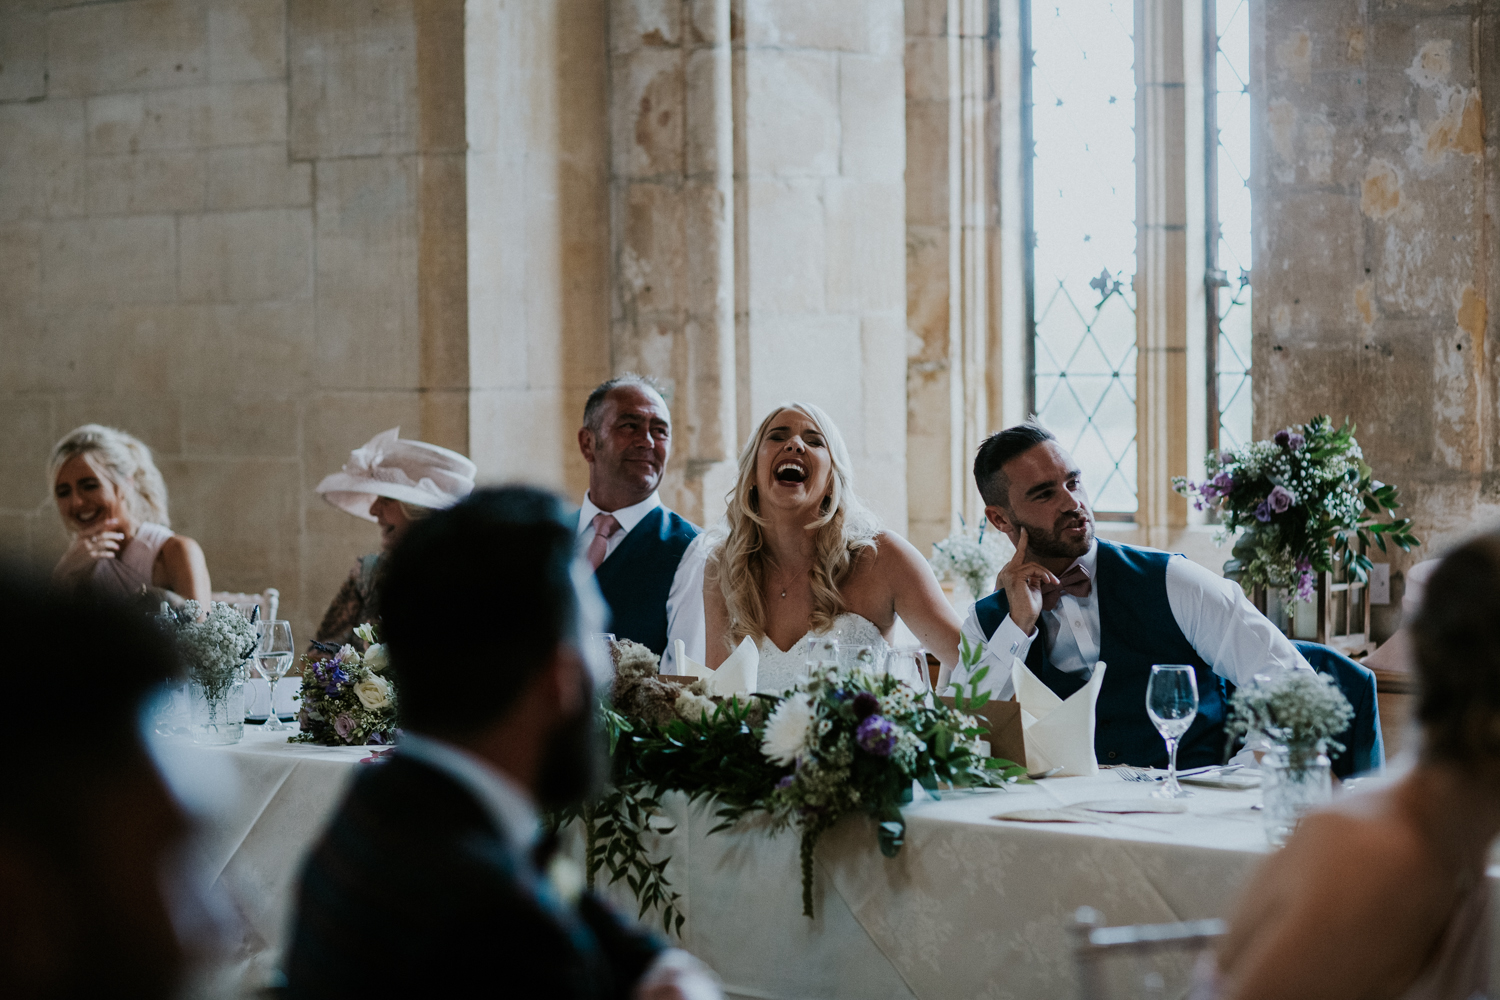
<point>215,649</point>
<point>1293,717</point>
<point>970,557</point>
<point>1297,506</point>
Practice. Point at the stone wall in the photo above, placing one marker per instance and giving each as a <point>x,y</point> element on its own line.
<point>1376,244</point>
<point>236,229</point>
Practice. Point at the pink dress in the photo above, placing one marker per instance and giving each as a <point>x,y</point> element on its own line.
<point>129,572</point>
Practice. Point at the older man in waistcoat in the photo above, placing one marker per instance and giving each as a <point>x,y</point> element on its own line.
<point>648,561</point>
<point>1069,600</point>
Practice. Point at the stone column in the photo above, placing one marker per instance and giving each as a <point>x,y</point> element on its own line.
<point>953,238</point>
<point>1161,268</point>
<point>820,148</point>
<point>672,231</point>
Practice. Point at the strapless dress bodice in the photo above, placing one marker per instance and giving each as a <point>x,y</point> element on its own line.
<point>781,670</point>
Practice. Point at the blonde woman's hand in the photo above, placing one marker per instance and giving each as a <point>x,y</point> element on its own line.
<point>104,542</point>
<point>1022,582</point>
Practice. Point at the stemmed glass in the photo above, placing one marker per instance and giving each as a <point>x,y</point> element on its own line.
<point>1172,703</point>
<point>274,657</point>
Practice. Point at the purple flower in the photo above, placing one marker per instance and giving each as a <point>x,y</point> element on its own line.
<point>865,705</point>
<point>1296,441</point>
<point>876,735</point>
<point>343,725</point>
<point>1307,581</point>
<point>785,783</point>
<point>1263,512</point>
<point>377,738</point>
<point>333,680</point>
<point>1223,483</point>
<point>1225,457</point>
<point>1283,438</point>
<point>1281,499</point>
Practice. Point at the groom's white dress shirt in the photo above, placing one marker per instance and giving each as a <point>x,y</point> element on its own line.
<point>685,599</point>
<point>1216,619</point>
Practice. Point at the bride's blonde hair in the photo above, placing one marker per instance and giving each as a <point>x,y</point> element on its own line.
<point>125,460</point>
<point>843,528</point>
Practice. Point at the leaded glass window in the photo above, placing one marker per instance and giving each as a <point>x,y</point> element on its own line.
<point>1227,133</point>
<point>1080,122</point>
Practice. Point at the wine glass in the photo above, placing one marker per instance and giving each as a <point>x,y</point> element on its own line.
<point>1172,703</point>
<point>821,653</point>
<point>274,657</point>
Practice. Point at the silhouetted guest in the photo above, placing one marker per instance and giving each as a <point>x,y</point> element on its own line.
<point>1385,895</point>
<point>428,880</point>
<point>88,830</point>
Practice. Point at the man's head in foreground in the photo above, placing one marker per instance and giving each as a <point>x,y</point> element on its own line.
<point>486,626</point>
<point>90,836</point>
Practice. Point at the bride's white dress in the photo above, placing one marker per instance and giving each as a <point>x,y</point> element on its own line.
<point>781,670</point>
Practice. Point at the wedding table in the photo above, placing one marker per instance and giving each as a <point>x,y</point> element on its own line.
<point>972,907</point>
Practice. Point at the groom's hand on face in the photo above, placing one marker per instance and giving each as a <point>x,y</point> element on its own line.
<point>1022,581</point>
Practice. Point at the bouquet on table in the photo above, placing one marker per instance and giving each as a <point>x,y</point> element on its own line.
<point>348,699</point>
<point>840,743</point>
<point>1300,501</point>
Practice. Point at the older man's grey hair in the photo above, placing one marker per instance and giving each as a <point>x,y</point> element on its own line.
<point>593,410</point>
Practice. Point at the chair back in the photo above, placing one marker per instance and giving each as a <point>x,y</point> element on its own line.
<point>1144,960</point>
<point>267,600</point>
<point>1364,747</point>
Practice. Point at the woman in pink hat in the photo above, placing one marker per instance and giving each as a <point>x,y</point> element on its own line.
<point>392,482</point>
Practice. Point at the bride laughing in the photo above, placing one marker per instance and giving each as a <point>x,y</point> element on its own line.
<point>804,558</point>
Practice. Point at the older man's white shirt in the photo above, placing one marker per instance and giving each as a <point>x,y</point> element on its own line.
<point>1224,628</point>
<point>685,598</point>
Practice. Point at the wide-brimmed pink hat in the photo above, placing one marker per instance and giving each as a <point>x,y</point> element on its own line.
<point>411,471</point>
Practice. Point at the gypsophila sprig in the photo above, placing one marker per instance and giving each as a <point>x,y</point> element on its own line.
<point>349,699</point>
<point>1299,501</point>
<point>1298,709</point>
<point>214,647</point>
<point>974,557</point>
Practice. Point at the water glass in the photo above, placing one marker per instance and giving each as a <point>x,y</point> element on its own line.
<point>821,653</point>
<point>273,657</point>
<point>852,657</point>
<point>1172,704</point>
<point>909,664</point>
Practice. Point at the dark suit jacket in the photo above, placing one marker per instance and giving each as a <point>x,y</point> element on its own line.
<point>412,891</point>
<point>1364,748</point>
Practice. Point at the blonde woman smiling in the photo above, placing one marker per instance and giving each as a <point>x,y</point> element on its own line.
<point>803,557</point>
<point>113,502</point>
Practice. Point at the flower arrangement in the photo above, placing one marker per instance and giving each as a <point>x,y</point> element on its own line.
<point>1299,502</point>
<point>973,557</point>
<point>1298,709</point>
<point>214,647</point>
<point>349,699</point>
<point>840,743</point>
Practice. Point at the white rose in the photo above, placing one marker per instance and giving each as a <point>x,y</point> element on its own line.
<point>373,692</point>
<point>349,655</point>
<point>376,658</point>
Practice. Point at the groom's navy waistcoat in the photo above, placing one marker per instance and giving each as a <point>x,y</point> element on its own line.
<point>1136,629</point>
<point>637,577</point>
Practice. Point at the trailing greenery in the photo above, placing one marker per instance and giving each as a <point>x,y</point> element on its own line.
<point>1303,502</point>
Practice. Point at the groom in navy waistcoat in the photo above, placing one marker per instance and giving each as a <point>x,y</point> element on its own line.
<point>648,561</point>
<point>1068,601</point>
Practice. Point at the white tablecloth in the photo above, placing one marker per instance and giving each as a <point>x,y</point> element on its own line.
<point>971,907</point>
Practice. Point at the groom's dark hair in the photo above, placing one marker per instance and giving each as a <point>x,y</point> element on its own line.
<point>475,602</point>
<point>998,449</point>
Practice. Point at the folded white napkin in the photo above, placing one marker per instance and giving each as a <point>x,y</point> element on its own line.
<point>736,675</point>
<point>1058,733</point>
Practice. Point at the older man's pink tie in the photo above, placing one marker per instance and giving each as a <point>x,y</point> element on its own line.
<point>605,525</point>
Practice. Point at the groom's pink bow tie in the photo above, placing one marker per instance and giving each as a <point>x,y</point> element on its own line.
<point>1075,581</point>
